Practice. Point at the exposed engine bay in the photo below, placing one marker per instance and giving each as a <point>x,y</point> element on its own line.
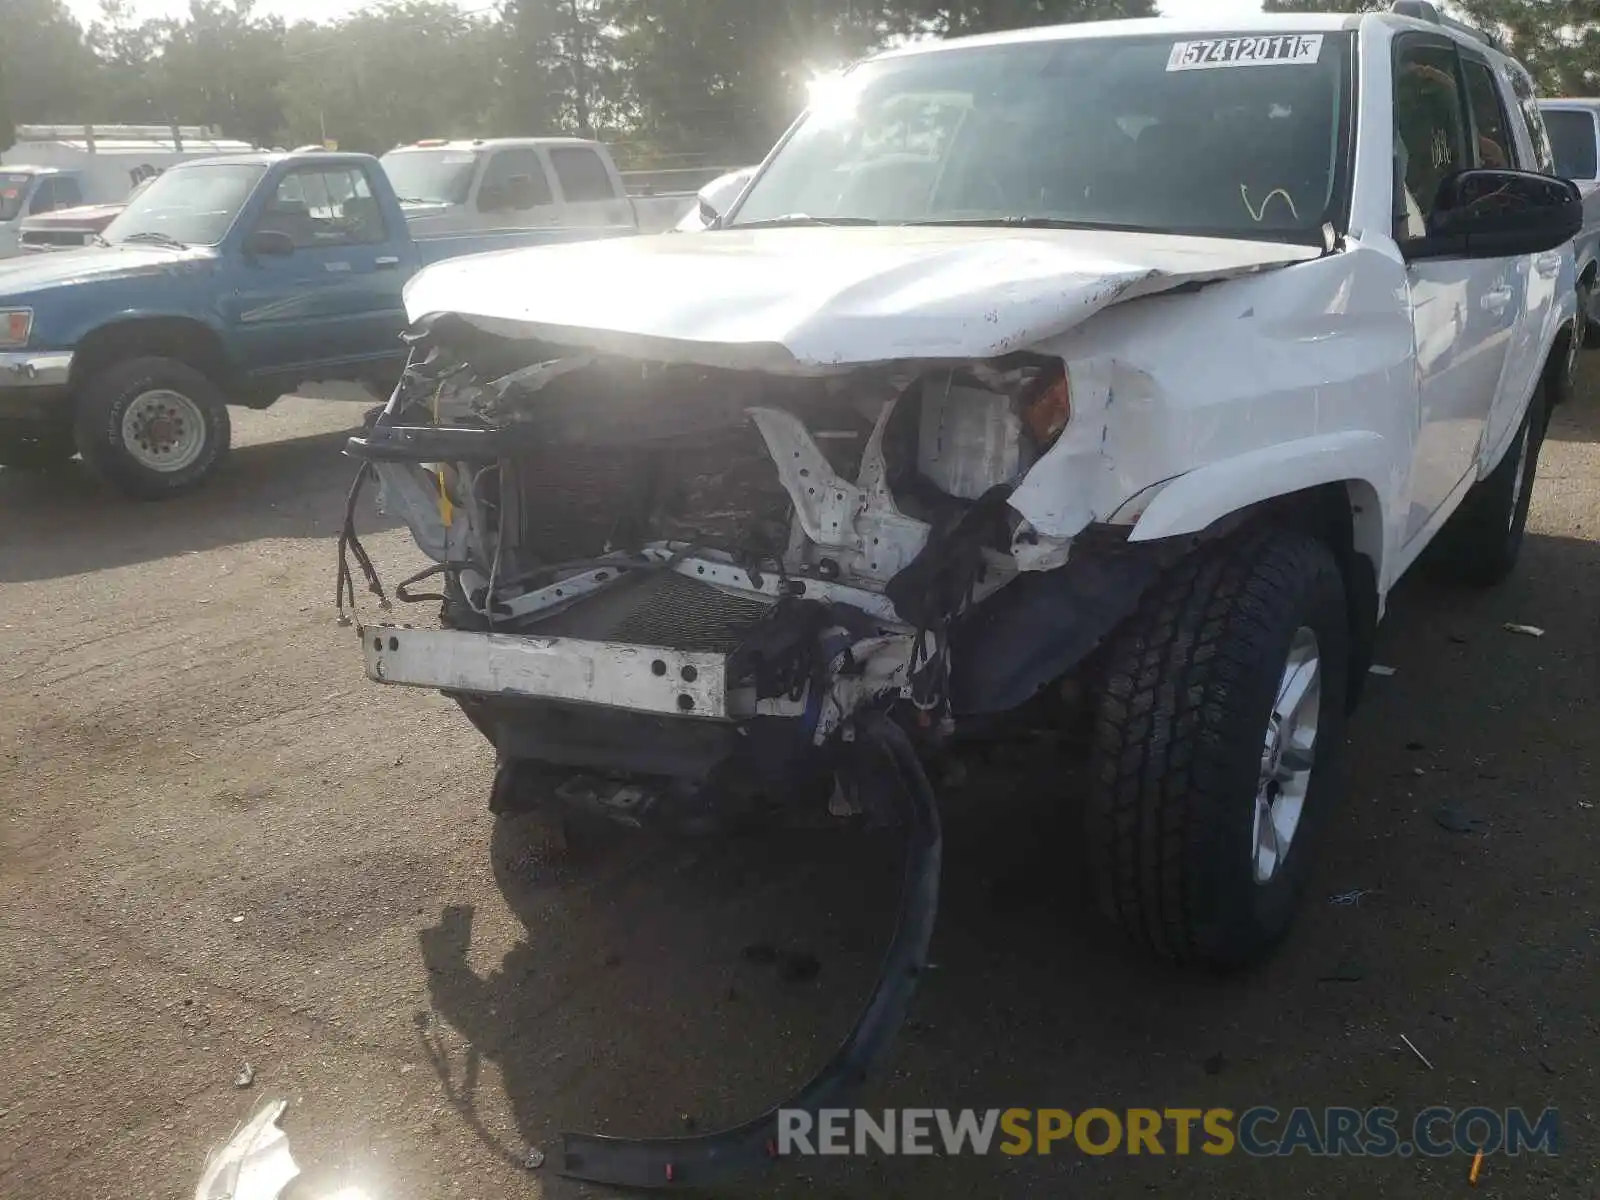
<point>675,588</point>
<point>797,547</point>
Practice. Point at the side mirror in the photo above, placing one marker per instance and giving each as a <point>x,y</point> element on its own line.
<point>493,197</point>
<point>269,243</point>
<point>520,190</point>
<point>1499,214</point>
<point>709,216</point>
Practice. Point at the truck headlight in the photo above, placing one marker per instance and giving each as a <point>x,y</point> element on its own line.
<point>15,326</point>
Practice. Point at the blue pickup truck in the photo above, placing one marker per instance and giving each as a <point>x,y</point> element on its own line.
<point>227,281</point>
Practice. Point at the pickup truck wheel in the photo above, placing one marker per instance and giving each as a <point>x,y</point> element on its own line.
<point>31,448</point>
<point>152,427</point>
<point>1480,542</point>
<point>1217,748</point>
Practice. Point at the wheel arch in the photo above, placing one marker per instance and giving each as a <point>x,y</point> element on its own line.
<point>1327,485</point>
<point>186,339</point>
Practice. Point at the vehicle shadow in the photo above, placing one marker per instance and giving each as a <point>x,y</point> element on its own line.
<point>663,987</point>
<point>1579,419</point>
<point>63,523</point>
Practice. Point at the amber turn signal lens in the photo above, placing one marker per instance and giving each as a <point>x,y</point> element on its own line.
<point>1048,413</point>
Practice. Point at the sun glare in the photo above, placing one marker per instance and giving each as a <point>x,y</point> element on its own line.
<point>831,97</point>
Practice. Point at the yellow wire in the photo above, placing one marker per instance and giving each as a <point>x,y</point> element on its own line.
<point>446,509</point>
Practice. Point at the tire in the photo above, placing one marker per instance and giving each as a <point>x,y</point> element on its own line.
<point>1177,757</point>
<point>35,447</point>
<point>1479,544</point>
<point>1588,332</point>
<point>183,411</point>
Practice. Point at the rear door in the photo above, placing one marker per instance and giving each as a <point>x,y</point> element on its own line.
<point>590,191</point>
<point>334,303</point>
<point>1506,94</point>
<point>1463,310</point>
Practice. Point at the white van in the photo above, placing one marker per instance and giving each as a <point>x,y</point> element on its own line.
<point>53,167</point>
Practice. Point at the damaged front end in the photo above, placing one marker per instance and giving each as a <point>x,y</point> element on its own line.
<point>682,588</point>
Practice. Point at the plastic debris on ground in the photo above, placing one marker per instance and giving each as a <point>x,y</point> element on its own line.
<point>1352,897</point>
<point>1380,669</point>
<point>254,1164</point>
<point>1412,1047</point>
<point>534,1159</point>
<point>1525,630</point>
<point>245,1077</point>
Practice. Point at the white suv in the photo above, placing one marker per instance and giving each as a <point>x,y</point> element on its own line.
<point>1141,357</point>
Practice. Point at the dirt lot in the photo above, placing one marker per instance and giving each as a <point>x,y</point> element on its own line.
<point>222,845</point>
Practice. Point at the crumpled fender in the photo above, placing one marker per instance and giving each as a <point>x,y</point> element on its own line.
<point>1194,501</point>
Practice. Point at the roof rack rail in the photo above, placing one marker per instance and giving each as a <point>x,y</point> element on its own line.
<point>1426,10</point>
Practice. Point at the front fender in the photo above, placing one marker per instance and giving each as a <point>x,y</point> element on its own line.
<point>1366,462</point>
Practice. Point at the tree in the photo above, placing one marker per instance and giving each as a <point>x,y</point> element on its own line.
<point>987,16</point>
<point>558,67</point>
<point>401,71</point>
<point>44,63</point>
<point>222,67</point>
<point>126,51</point>
<point>1557,40</point>
<point>1333,6</point>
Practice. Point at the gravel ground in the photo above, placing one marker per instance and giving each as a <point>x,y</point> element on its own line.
<point>221,845</point>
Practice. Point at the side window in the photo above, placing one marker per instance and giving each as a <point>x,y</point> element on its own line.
<point>1544,159</point>
<point>1572,135</point>
<point>1430,137</point>
<point>514,181</point>
<point>44,197</point>
<point>582,174</point>
<point>319,208</point>
<point>67,193</point>
<point>1496,149</point>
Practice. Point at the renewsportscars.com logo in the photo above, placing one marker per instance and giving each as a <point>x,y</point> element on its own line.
<point>1260,1132</point>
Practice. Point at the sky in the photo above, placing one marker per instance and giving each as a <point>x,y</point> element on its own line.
<point>87,10</point>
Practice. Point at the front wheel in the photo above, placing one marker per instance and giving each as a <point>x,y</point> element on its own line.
<point>152,427</point>
<point>1217,748</point>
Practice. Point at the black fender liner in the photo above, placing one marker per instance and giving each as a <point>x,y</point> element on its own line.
<point>881,757</point>
<point>1041,625</point>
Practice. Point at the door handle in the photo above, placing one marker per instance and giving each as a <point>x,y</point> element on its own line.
<point>387,262</point>
<point>1496,299</point>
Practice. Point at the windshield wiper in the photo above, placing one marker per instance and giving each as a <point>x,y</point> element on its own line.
<point>417,200</point>
<point>802,219</point>
<point>96,240</point>
<point>156,236</point>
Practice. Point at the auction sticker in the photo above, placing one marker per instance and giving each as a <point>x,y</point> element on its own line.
<point>1269,50</point>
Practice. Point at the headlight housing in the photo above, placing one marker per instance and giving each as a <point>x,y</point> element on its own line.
<point>16,324</point>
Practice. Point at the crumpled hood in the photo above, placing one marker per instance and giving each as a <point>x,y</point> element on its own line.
<point>20,276</point>
<point>819,297</point>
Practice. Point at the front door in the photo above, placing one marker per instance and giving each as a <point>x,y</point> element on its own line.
<point>515,192</point>
<point>1463,310</point>
<point>333,305</point>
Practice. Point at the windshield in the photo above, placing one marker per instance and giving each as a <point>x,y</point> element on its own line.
<point>13,194</point>
<point>193,205</point>
<point>433,176</point>
<point>1572,139</point>
<point>1229,136</point>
